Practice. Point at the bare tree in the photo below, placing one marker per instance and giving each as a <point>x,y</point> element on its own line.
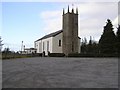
<point>1,44</point>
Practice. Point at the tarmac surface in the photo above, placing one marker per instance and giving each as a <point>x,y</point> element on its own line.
<point>49,72</point>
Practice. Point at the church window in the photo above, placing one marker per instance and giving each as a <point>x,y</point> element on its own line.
<point>47,45</point>
<point>43,46</point>
<point>39,47</point>
<point>59,43</point>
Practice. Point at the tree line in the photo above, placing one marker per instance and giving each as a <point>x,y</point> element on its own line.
<point>109,42</point>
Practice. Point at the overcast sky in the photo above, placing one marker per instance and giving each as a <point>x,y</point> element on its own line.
<point>29,21</point>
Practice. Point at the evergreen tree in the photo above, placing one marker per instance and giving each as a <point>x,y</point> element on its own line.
<point>118,39</point>
<point>84,46</point>
<point>90,46</point>
<point>95,47</point>
<point>108,39</point>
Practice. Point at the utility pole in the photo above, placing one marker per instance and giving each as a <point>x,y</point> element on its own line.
<point>21,47</point>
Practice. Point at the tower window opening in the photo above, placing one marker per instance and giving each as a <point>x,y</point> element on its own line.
<point>59,43</point>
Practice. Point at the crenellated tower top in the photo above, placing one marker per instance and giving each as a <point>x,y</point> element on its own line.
<point>72,11</point>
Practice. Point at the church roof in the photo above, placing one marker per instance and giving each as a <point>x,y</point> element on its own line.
<point>50,35</point>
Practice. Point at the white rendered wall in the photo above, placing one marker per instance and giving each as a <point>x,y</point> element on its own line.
<point>45,45</point>
<point>56,48</point>
<point>39,45</point>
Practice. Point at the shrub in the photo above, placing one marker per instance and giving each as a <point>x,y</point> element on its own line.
<point>56,54</point>
<point>91,55</point>
<point>16,55</point>
<point>36,55</point>
<point>80,55</point>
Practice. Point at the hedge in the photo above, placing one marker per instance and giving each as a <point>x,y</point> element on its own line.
<point>15,55</point>
<point>56,54</point>
<point>92,55</point>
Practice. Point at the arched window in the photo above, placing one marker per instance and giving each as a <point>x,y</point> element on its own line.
<point>59,43</point>
<point>47,45</point>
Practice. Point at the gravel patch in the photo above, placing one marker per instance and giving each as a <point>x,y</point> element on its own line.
<point>49,72</point>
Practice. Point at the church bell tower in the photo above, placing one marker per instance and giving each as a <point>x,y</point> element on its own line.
<point>70,32</point>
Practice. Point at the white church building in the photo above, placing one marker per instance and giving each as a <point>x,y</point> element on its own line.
<point>62,41</point>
